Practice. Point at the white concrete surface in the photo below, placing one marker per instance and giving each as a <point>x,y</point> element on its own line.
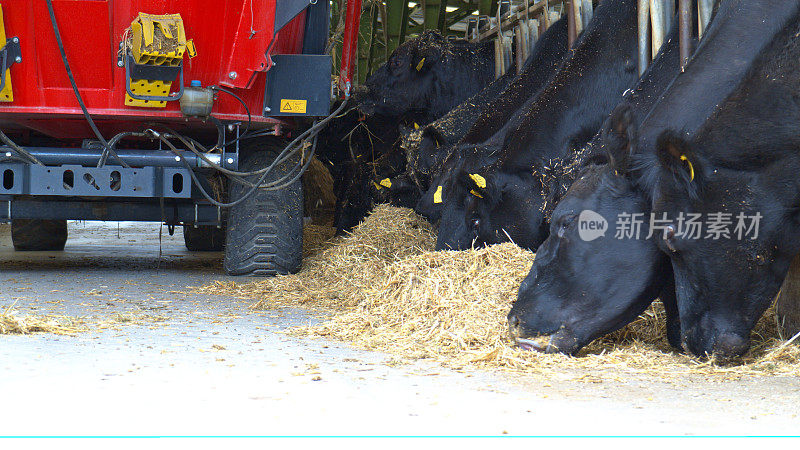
<point>217,368</point>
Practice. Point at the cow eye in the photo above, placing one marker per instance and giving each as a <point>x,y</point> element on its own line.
<point>476,222</point>
<point>564,224</point>
<point>669,237</point>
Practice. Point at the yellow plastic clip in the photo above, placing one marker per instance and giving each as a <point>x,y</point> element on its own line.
<point>691,168</point>
<point>191,51</point>
<point>437,196</point>
<point>419,65</point>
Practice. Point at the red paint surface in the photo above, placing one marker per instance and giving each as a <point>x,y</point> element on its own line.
<point>91,31</point>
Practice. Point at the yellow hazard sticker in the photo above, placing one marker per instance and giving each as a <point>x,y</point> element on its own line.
<point>293,106</point>
<point>437,196</point>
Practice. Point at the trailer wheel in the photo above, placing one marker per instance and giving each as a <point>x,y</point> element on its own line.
<point>265,232</point>
<point>38,234</point>
<point>204,238</point>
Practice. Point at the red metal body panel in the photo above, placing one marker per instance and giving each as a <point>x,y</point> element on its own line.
<point>349,44</point>
<point>228,37</point>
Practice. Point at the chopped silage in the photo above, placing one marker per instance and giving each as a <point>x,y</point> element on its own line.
<point>11,322</point>
<point>391,292</point>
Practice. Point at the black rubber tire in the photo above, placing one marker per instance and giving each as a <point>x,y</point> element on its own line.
<point>265,232</point>
<point>204,238</point>
<point>38,234</point>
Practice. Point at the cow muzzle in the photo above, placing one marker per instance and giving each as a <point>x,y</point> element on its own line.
<point>562,341</point>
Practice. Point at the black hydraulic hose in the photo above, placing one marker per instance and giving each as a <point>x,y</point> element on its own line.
<point>6,140</point>
<point>283,156</point>
<point>199,185</point>
<point>4,158</point>
<point>273,185</point>
<point>106,146</point>
<point>112,144</point>
<point>232,94</point>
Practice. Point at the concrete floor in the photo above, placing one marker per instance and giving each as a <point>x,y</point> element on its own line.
<point>210,366</point>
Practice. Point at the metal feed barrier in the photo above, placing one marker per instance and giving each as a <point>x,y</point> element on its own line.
<point>519,26</point>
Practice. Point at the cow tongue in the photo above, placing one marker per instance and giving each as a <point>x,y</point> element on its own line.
<point>539,343</point>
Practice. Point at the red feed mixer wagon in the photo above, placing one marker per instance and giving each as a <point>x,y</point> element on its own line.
<point>200,113</point>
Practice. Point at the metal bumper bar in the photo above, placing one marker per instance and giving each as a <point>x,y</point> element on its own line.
<point>54,156</point>
<point>171,212</point>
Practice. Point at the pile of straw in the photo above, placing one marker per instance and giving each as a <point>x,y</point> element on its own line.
<point>12,323</point>
<point>390,292</point>
<point>342,271</point>
<point>318,188</point>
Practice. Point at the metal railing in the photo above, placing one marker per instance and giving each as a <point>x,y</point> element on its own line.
<point>519,27</point>
<point>655,19</point>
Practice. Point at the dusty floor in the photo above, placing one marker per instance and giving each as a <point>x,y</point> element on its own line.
<point>193,364</point>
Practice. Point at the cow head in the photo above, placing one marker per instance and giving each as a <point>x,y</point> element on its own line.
<point>408,80</point>
<point>592,275</point>
<point>728,273</point>
<point>451,201</point>
<point>502,207</point>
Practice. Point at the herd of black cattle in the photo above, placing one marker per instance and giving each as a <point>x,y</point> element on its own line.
<point>523,157</point>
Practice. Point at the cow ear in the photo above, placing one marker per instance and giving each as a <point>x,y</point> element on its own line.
<point>675,155</point>
<point>405,129</point>
<point>432,137</point>
<point>619,134</point>
<point>429,51</point>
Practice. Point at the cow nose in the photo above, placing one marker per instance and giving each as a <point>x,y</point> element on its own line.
<point>513,326</point>
<point>729,346</point>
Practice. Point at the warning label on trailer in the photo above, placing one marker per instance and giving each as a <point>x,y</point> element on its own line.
<point>293,106</point>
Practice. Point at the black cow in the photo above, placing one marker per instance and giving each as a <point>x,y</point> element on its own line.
<point>423,79</point>
<point>354,148</point>
<point>753,145</point>
<point>613,280</point>
<point>517,206</point>
<point>494,118</point>
<point>423,148</point>
<point>429,149</point>
<point>562,118</point>
<point>428,75</point>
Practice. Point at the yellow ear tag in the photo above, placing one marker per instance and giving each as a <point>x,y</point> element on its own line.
<point>386,182</point>
<point>691,168</point>
<point>419,65</point>
<point>479,180</point>
<point>437,196</point>
<point>416,125</point>
<point>475,193</point>
<point>377,186</point>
